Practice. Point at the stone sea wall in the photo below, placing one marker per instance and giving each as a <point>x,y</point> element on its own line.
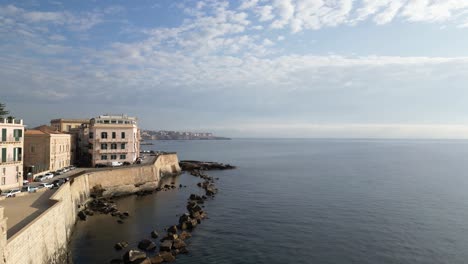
<point>45,239</point>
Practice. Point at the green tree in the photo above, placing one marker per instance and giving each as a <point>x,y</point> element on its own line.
<point>3,112</point>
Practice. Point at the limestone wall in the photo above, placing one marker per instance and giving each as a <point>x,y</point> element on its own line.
<point>45,239</point>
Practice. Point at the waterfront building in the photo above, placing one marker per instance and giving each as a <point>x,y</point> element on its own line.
<point>66,125</point>
<point>113,138</point>
<point>11,153</point>
<point>46,149</point>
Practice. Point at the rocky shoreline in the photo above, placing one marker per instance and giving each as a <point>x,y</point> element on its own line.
<point>173,242</point>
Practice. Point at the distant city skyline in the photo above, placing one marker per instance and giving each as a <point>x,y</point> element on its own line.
<point>252,68</point>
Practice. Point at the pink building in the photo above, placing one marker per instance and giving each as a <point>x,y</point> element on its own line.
<point>113,138</point>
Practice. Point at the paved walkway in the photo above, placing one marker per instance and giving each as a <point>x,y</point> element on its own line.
<point>23,209</point>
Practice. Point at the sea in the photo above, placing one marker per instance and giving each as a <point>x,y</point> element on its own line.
<point>306,201</point>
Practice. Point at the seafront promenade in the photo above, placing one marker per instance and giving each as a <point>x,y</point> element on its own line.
<point>36,227</point>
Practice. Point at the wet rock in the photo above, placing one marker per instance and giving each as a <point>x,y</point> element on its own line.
<point>157,259</point>
<point>172,229</point>
<point>121,245</point>
<point>167,256</point>
<point>147,245</point>
<point>154,234</point>
<point>120,221</point>
<point>184,235</point>
<point>178,244</point>
<point>82,215</point>
<point>133,255</point>
<point>184,218</point>
<point>166,245</point>
<point>183,251</point>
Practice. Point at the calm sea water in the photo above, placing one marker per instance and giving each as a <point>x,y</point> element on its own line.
<point>308,201</point>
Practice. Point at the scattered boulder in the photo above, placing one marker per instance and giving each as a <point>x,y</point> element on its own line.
<point>133,255</point>
<point>172,229</point>
<point>178,244</point>
<point>82,215</point>
<point>167,256</point>
<point>184,235</point>
<point>154,234</point>
<point>166,246</point>
<point>147,245</point>
<point>156,259</point>
<point>121,245</point>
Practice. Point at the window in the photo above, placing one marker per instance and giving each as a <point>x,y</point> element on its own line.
<point>33,149</point>
<point>123,156</point>
<point>91,135</point>
<point>120,122</point>
<point>114,135</point>
<point>113,122</point>
<point>4,171</point>
<point>113,157</point>
<point>3,180</point>
<point>106,121</point>
<point>17,168</point>
<point>122,146</point>
<point>122,135</point>
<point>68,127</point>
<point>104,146</point>
<point>113,146</point>
<point>103,134</point>
<point>4,154</point>
<point>104,157</point>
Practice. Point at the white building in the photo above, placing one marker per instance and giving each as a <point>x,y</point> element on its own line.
<point>11,153</point>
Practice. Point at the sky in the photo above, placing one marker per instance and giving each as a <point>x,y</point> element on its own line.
<point>251,68</point>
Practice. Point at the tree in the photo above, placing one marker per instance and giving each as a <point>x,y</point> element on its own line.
<point>3,112</point>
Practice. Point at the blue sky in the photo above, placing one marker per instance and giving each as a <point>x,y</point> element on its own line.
<point>254,68</point>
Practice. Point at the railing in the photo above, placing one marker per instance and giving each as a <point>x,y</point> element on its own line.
<point>10,160</point>
<point>11,121</point>
<point>11,139</point>
<point>112,139</point>
<point>125,150</point>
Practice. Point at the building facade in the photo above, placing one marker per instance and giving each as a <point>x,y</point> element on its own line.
<point>46,149</point>
<point>11,153</point>
<point>66,125</point>
<point>113,138</point>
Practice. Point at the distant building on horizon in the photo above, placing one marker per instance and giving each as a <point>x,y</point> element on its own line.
<point>111,138</point>
<point>46,149</point>
<point>11,153</point>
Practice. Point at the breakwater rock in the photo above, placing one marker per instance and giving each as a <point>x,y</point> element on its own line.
<point>190,165</point>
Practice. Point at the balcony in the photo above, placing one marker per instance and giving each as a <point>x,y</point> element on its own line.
<point>111,140</point>
<point>11,121</point>
<point>11,139</point>
<point>10,160</point>
<point>104,151</point>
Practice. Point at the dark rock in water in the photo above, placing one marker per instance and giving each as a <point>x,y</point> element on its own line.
<point>121,245</point>
<point>82,215</point>
<point>142,261</point>
<point>157,259</point>
<point>178,244</point>
<point>154,234</point>
<point>184,235</point>
<point>184,218</point>
<point>147,245</point>
<point>167,256</point>
<point>183,251</point>
<point>116,261</point>
<point>166,246</point>
<point>126,213</point>
<point>89,212</point>
<point>172,229</point>
<point>184,225</point>
<point>180,185</point>
<point>133,255</point>
<point>120,221</point>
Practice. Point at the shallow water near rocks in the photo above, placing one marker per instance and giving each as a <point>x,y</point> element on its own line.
<point>307,201</point>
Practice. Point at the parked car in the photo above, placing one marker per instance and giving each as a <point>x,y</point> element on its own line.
<point>58,182</point>
<point>126,163</point>
<point>11,193</point>
<point>38,178</point>
<point>48,175</point>
<point>65,169</point>
<point>100,165</point>
<point>29,188</point>
<point>25,182</point>
<point>116,163</point>
<point>71,167</point>
<point>59,172</point>
<point>46,185</point>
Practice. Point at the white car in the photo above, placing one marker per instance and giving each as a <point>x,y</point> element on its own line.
<point>11,193</point>
<point>116,163</point>
<point>46,185</point>
<point>47,176</point>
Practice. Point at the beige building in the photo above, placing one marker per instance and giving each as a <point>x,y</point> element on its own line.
<point>113,138</point>
<point>11,153</point>
<point>65,125</point>
<point>46,149</point>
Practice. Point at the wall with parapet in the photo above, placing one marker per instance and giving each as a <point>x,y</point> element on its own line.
<point>45,239</point>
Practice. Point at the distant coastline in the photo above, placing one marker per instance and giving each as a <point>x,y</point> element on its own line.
<point>177,135</point>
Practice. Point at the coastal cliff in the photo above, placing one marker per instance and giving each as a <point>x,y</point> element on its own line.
<point>45,238</point>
